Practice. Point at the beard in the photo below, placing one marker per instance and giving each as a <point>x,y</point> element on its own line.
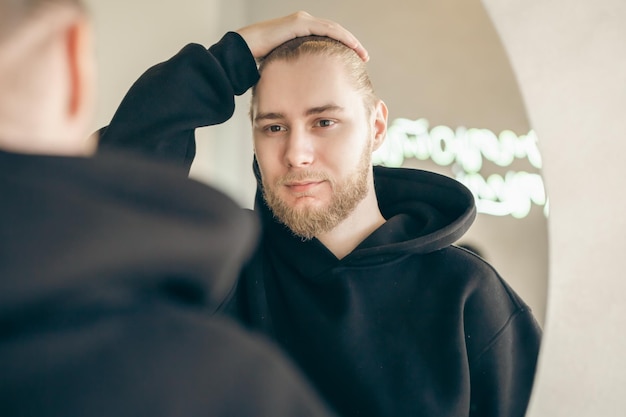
<point>308,222</point>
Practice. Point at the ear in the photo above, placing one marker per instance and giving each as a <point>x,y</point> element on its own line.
<point>81,66</point>
<point>380,124</point>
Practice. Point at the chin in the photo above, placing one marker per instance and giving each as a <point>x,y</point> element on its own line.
<point>306,203</point>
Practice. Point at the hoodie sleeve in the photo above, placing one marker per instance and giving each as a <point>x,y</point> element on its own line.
<point>195,88</point>
<point>503,353</point>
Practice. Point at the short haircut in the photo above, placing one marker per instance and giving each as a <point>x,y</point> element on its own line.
<point>324,46</point>
<point>14,13</point>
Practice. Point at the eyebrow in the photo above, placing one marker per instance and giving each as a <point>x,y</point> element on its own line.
<point>309,112</point>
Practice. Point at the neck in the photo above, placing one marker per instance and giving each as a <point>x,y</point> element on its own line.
<point>30,139</point>
<point>52,149</point>
<point>348,234</point>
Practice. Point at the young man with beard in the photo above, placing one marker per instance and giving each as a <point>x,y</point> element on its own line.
<point>112,268</point>
<point>356,276</point>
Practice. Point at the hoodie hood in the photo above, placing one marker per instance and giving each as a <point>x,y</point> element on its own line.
<point>425,212</point>
<point>437,210</point>
<point>107,228</point>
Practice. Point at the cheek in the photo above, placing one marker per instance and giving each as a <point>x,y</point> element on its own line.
<point>266,160</point>
<point>350,148</point>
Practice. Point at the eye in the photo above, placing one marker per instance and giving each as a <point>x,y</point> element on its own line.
<point>274,128</point>
<point>325,123</point>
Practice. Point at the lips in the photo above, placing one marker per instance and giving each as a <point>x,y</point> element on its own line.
<point>302,186</point>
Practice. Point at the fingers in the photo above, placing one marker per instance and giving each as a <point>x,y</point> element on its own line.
<point>264,36</point>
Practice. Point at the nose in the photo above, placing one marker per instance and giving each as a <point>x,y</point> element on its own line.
<point>299,150</point>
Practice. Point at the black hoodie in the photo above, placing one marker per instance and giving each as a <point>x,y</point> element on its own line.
<point>405,325</point>
<point>111,271</point>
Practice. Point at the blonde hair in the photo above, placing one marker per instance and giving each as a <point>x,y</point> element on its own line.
<point>324,46</point>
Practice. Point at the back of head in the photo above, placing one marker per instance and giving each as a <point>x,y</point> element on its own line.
<point>15,13</point>
<point>45,64</point>
<point>313,45</point>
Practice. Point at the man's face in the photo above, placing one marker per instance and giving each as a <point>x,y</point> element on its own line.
<point>313,141</point>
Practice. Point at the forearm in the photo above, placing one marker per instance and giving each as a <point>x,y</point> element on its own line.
<point>195,88</point>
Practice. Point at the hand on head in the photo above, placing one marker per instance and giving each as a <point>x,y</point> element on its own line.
<point>264,36</point>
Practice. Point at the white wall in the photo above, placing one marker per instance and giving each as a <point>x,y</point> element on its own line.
<point>134,35</point>
<point>570,59</point>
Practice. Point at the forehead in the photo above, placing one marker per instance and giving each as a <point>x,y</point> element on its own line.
<point>308,81</point>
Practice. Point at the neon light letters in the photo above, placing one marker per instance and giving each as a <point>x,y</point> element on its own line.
<point>466,150</point>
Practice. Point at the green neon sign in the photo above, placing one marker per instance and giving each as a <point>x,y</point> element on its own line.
<point>466,150</point>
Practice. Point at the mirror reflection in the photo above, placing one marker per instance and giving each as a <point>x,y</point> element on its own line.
<point>454,109</point>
